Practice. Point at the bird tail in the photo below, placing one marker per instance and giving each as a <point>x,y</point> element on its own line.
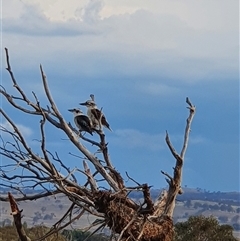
<point>109,128</point>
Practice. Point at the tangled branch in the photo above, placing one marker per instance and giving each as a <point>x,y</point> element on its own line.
<point>38,168</point>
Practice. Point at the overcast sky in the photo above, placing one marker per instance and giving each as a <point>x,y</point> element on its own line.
<point>141,59</point>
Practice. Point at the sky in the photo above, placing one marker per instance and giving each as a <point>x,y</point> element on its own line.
<point>140,59</point>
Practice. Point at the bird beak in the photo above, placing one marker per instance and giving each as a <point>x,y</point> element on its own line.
<point>71,110</point>
<point>83,103</point>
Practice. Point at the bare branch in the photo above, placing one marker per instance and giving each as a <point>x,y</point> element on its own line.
<point>13,78</point>
<point>33,197</point>
<point>192,109</point>
<point>91,180</point>
<point>174,153</point>
<point>17,219</point>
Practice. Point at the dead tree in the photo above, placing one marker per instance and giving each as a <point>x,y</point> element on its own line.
<point>112,206</point>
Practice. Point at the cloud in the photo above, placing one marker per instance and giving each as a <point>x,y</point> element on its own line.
<point>134,139</point>
<point>91,12</point>
<point>197,140</point>
<point>193,139</point>
<point>159,89</point>
<point>33,21</point>
<point>142,42</point>
<point>46,28</point>
<point>25,131</point>
<point>162,47</point>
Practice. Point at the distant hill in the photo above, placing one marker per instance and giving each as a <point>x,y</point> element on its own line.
<point>223,205</point>
<point>199,194</point>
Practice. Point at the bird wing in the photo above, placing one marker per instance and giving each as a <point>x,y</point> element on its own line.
<point>84,122</point>
<point>105,123</point>
<point>98,114</point>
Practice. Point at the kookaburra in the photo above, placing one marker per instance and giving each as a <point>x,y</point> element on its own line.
<point>82,121</point>
<point>97,117</point>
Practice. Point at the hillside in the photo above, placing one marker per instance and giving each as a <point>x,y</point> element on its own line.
<point>223,205</point>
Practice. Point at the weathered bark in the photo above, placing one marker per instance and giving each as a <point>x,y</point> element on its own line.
<point>175,181</point>
<point>17,219</point>
<point>148,221</point>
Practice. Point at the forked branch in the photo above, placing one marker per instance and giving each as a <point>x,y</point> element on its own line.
<point>175,181</point>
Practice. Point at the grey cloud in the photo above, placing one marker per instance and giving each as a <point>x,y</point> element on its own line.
<point>34,23</point>
<point>90,13</point>
<point>144,44</point>
<point>45,28</point>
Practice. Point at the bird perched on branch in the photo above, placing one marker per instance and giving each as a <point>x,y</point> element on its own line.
<point>96,116</point>
<point>82,121</point>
